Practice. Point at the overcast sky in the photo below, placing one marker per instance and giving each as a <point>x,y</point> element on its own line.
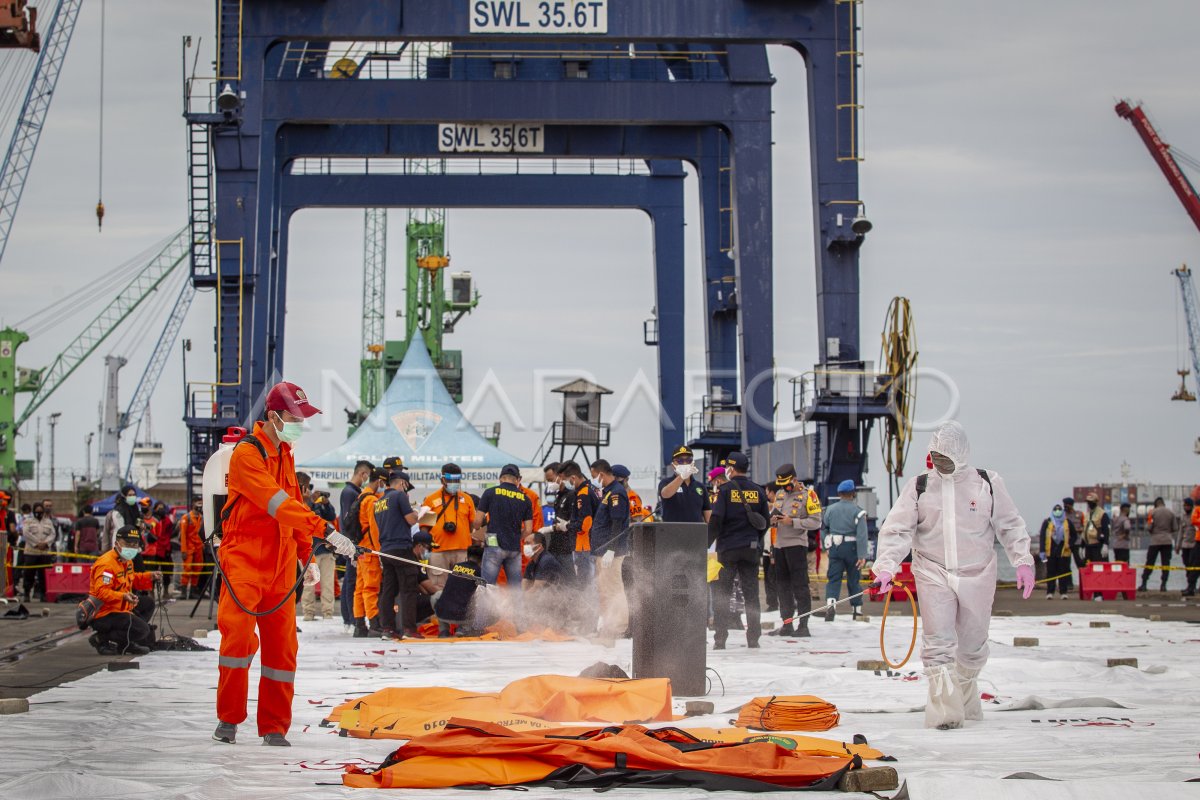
<point>1025,221</point>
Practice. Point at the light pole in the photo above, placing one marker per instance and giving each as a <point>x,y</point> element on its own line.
<point>87,470</point>
<point>53,423</point>
<point>37,457</point>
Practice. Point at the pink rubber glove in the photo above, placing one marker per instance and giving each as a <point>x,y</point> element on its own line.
<point>884,580</point>
<point>1025,580</point>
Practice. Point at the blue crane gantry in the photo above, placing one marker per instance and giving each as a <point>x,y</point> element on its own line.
<point>644,83</point>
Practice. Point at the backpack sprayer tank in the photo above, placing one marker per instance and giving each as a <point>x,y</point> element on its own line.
<point>214,486</point>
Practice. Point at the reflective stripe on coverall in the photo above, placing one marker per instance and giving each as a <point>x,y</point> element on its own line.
<point>370,573</point>
<point>268,529</point>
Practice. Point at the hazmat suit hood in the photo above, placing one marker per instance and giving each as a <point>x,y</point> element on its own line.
<point>951,441</point>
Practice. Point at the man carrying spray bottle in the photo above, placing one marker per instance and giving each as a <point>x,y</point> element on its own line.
<point>266,528</point>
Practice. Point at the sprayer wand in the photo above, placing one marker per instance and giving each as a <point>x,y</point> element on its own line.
<point>476,578</point>
<point>821,610</point>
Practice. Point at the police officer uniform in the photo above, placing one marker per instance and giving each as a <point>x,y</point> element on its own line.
<point>844,536</point>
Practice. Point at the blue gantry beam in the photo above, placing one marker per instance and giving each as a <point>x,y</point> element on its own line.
<point>637,72</point>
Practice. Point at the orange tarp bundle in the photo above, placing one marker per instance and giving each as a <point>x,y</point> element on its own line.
<point>792,713</point>
<point>469,753</point>
<point>538,703</point>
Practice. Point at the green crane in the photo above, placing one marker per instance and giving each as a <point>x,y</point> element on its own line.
<point>430,306</point>
<point>44,382</point>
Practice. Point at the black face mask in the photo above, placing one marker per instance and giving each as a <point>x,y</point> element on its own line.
<point>38,514</point>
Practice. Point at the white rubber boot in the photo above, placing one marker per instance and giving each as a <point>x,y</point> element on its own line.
<point>968,689</point>
<point>944,710</point>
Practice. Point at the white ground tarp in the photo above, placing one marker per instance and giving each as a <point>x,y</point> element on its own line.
<point>1100,733</point>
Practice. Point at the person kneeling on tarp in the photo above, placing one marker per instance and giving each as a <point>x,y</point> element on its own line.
<point>122,624</point>
<point>950,518</point>
<point>453,603</point>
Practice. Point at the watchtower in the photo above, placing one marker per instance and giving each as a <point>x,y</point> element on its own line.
<point>580,427</point>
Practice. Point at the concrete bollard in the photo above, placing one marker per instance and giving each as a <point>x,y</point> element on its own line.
<point>1123,662</point>
<point>14,705</point>
<point>45,612</point>
<point>1156,617</point>
<point>698,708</point>
<point>1095,624</point>
<point>200,633</point>
<point>870,779</point>
<point>862,618</point>
<point>768,626</point>
<point>872,665</point>
<point>1025,641</point>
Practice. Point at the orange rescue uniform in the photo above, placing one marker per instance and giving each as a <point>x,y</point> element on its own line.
<point>112,579</point>
<point>267,530</point>
<point>457,508</point>
<point>637,511</point>
<point>191,527</point>
<point>370,573</point>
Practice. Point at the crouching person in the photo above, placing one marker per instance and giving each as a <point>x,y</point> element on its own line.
<point>122,625</point>
<point>452,603</point>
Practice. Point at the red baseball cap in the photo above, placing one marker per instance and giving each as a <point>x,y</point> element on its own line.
<point>291,398</point>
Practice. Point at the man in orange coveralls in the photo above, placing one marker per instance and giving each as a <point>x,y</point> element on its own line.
<point>122,623</point>
<point>266,527</point>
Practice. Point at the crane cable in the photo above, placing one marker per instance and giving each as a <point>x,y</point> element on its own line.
<point>100,159</point>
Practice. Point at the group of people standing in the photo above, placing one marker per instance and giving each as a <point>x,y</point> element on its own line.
<point>496,537</point>
<point>1081,537</point>
<point>38,538</point>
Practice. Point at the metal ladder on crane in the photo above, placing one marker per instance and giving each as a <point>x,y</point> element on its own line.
<point>200,214</point>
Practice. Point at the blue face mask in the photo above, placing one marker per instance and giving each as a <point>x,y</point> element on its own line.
<point>129,553</point>
<point>453,488</point>
<point>131,500</point>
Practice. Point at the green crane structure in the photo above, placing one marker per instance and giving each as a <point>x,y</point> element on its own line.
<point>44,382</point>
<point>433,305</point>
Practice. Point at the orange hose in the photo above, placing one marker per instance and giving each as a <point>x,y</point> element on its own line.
<point>883,626</point>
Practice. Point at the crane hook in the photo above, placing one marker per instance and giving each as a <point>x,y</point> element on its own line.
<point>100,216</point>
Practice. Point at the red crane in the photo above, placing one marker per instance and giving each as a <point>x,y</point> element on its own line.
<point>18,25</point>
<point>1161,152</point>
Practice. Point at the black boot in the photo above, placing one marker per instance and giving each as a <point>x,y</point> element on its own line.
<point>102,646</point>
<point>373,626</point>
<point>1143,588</point>
<point>802,631</point>
<point>360,628</point>
<point>1163,586</point>
<point>830,611</point>
<point>786,630</point>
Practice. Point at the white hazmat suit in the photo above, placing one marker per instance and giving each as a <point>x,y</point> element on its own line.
<point>951,532</point>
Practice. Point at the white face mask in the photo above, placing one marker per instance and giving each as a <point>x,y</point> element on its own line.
<point>529,551</point>
<point>553,486</point>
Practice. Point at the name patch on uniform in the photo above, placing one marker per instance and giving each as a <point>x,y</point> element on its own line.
<point>739,496</point>
<point>510,493</point>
